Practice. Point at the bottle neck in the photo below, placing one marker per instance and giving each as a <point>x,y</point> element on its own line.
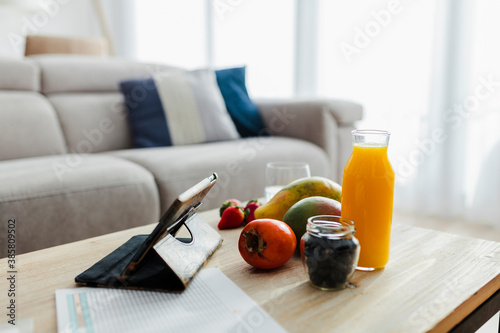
<point>379,149</point>
<point>370,138</point>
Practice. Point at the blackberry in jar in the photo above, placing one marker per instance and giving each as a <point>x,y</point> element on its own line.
<point>329,251</point>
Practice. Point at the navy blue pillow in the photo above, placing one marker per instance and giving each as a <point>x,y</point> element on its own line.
<point>242,110</point>
<point>147,120</point>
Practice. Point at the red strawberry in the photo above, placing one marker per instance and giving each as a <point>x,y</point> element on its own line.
<point>229,203</point>
<point>231,218</point>
<point>249,210</point>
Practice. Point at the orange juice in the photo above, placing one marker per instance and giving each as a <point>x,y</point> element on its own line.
<point>367,197</point>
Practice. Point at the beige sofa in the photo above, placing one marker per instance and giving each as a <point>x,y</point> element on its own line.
<point>67,171</point>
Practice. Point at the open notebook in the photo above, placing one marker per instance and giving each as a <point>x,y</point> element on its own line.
<point>212,303</point>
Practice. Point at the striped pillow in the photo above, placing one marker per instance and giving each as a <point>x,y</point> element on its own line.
<point>178,108</point>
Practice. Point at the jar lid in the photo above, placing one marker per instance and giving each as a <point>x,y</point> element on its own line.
<point>330,226</point>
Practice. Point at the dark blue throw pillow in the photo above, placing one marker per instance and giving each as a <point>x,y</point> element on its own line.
<point>146,117</point>
<point>165,111</point>
<point>242,110</point>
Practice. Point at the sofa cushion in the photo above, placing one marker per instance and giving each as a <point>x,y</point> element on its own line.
<point>177,109</point>
<point>60,199</point>
<point>92,122</point>
<point>16,74</point>
<point>243,111</point>
<point>82,73</point>
<point>29,126</point>
<point>240,165</point>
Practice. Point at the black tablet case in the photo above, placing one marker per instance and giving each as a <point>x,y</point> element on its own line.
<point>170,263</point>
<point>156,273</point>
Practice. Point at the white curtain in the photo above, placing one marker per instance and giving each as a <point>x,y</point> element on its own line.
<point>428,71</point>
<point>119,18</point>
<point>482,157</point>
<point>457,153</point>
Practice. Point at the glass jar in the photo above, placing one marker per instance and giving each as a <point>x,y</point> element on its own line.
<point>367,196</point>
<point>329,251</point>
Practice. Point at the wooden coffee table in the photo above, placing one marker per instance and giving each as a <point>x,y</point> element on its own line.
<point>434,282</point>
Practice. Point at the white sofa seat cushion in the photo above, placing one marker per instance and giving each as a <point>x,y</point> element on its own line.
<point>240,165</point>
<point>61,199</point>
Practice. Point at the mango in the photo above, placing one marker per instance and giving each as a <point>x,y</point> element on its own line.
<point>296,217</point>
<point>302,188</point>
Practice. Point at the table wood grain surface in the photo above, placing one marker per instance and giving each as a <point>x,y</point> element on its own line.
<point>432,282</point>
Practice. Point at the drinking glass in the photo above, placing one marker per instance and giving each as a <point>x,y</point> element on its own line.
<point>280,174</point>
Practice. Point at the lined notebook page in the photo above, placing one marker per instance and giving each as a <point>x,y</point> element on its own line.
<point>211,303</point>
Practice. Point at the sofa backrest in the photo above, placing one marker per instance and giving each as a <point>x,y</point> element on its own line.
<point>84,91</point>
<point>29,126</point>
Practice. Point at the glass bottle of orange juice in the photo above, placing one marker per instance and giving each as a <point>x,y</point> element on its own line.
<point>367,196</point>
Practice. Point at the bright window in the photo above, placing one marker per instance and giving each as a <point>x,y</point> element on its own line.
<point>259,34</point>
<point>387,72</point>
<point>172,32</point>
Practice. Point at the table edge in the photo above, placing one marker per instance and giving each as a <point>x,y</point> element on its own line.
<point>468,306</point>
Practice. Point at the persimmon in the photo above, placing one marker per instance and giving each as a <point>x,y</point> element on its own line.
<point>267,243</point>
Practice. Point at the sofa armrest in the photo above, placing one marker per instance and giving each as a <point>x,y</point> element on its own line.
<point>344,112</point>
<point>326,123</point>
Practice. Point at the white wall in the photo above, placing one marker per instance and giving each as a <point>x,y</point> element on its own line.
<point>52,17</point>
